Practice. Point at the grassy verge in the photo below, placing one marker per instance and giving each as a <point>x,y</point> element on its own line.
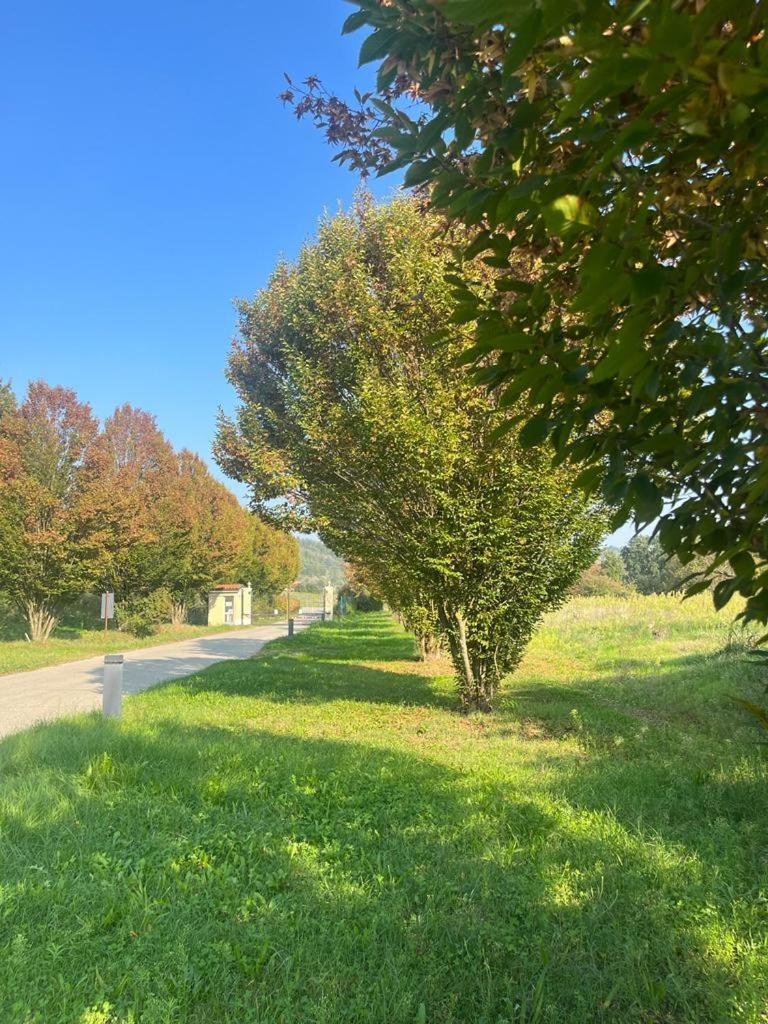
<point>71,644</point>
<point>316,836</point>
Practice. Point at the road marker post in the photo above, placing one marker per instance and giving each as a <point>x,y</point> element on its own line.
<point>112,695</point>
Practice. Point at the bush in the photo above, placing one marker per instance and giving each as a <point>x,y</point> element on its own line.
<point>141,615</point>
<point>597,581</point>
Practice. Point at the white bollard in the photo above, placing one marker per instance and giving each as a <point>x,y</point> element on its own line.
<point>112,697</point>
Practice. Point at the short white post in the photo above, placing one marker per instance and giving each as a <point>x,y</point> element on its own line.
<point>112,698</point>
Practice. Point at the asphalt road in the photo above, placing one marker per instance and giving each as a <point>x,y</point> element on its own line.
<point>45,693</point>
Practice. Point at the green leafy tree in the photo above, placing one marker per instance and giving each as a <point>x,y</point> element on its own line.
<point>354,422</point>
<point>620,149</point>
<point>269,558</point>
<point>649,569</point>
<point>205,535</point>
<point>612,564</point>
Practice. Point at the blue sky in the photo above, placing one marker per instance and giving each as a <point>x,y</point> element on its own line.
<point>150,176</point>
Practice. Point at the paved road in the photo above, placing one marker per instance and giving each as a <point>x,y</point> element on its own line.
<point>45,693</point>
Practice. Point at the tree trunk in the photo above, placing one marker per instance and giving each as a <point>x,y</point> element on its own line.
<point>429,647</point>
<point>476,675</point>
<point>41,619</point>
<point>178,613</point>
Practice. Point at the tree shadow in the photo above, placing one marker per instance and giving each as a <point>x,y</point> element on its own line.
<point>287,678</point>
<point>692,774</point>
<point>219,873</point>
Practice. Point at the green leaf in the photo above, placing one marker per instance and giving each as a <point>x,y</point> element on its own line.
<point>645,497</point>
<point>502,429</point>
<point>354,22</point>
<point>526,36</point>
<point>472,12</point>
<point>418,172</point>
<point>567,214</point>
<point>464,313</point>
<point>723,592</point>
<point>743,564</point>
<point>377,45</point>
<point>535,431</point>
<point>589,478</point>
<point>513,341</point>
<point>618,357</point>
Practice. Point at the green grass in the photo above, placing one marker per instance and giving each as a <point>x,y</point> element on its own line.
<point>71,644</point>
<point>317,836</point>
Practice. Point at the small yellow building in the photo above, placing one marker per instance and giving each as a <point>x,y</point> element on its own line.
<point>229,604</point>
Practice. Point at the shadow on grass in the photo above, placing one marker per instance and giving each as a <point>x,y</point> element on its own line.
<point>689,770</point>
<point>294,679</point>
<point>198,873</point>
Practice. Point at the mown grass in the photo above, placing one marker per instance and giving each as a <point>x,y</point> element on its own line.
<point>317,836</point>
<point>72,644</point>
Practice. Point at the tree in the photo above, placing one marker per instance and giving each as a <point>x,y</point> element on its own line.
<point>53,539</point>
<point>354,422</point>
<point>139,467</point>
<point>613,564</point>
<point>597,582</point>
<point>649,569</point>
<point>620,148</point>
<point>204,544</point>
<point>269,558</point>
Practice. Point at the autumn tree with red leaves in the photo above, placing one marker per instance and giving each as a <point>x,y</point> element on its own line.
<point>55,545</point>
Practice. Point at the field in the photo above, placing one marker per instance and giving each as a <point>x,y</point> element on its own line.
<point>317,836</point>
<point>71,644</point>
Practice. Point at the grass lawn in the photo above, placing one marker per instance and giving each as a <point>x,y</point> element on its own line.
<point>317,836</point>
<point>71,644</point>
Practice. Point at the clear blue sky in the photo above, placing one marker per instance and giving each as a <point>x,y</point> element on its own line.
<point>149,175</point>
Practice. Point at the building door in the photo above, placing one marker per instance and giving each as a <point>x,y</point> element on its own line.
<point>229,610</point>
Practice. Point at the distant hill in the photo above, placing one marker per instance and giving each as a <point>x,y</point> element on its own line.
<point>318,565</point>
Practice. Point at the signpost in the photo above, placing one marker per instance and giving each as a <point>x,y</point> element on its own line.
<point>107,608</point>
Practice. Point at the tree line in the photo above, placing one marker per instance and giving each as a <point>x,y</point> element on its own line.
<point>89,507</point>
<point>641,566</point>
<point>616,150</point>
<point>357,421</point>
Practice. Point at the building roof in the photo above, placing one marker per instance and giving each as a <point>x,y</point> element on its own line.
<point>228,586</point>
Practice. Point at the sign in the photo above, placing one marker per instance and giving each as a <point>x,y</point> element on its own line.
<point>107,606</point>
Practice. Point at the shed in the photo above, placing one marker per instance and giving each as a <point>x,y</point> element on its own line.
<point>229,604</point>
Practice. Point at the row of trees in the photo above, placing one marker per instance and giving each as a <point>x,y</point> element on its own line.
<point>641,566</point>
<point>85,507</point>
<point>617,150</point>
<point>356,421</point>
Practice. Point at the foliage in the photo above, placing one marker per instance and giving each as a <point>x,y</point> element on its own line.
<point>649,569</point>
<point>139,464</point>
<point>354,422</point>
<point>52,534</point>
<point>315,836</point>
<point>620,149</point>
<point>140,614</point>
<point>269,560</point>
<point>612,563</point>
<point>597,581</point>
<point>358,590</point>
<point>84,509</point>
